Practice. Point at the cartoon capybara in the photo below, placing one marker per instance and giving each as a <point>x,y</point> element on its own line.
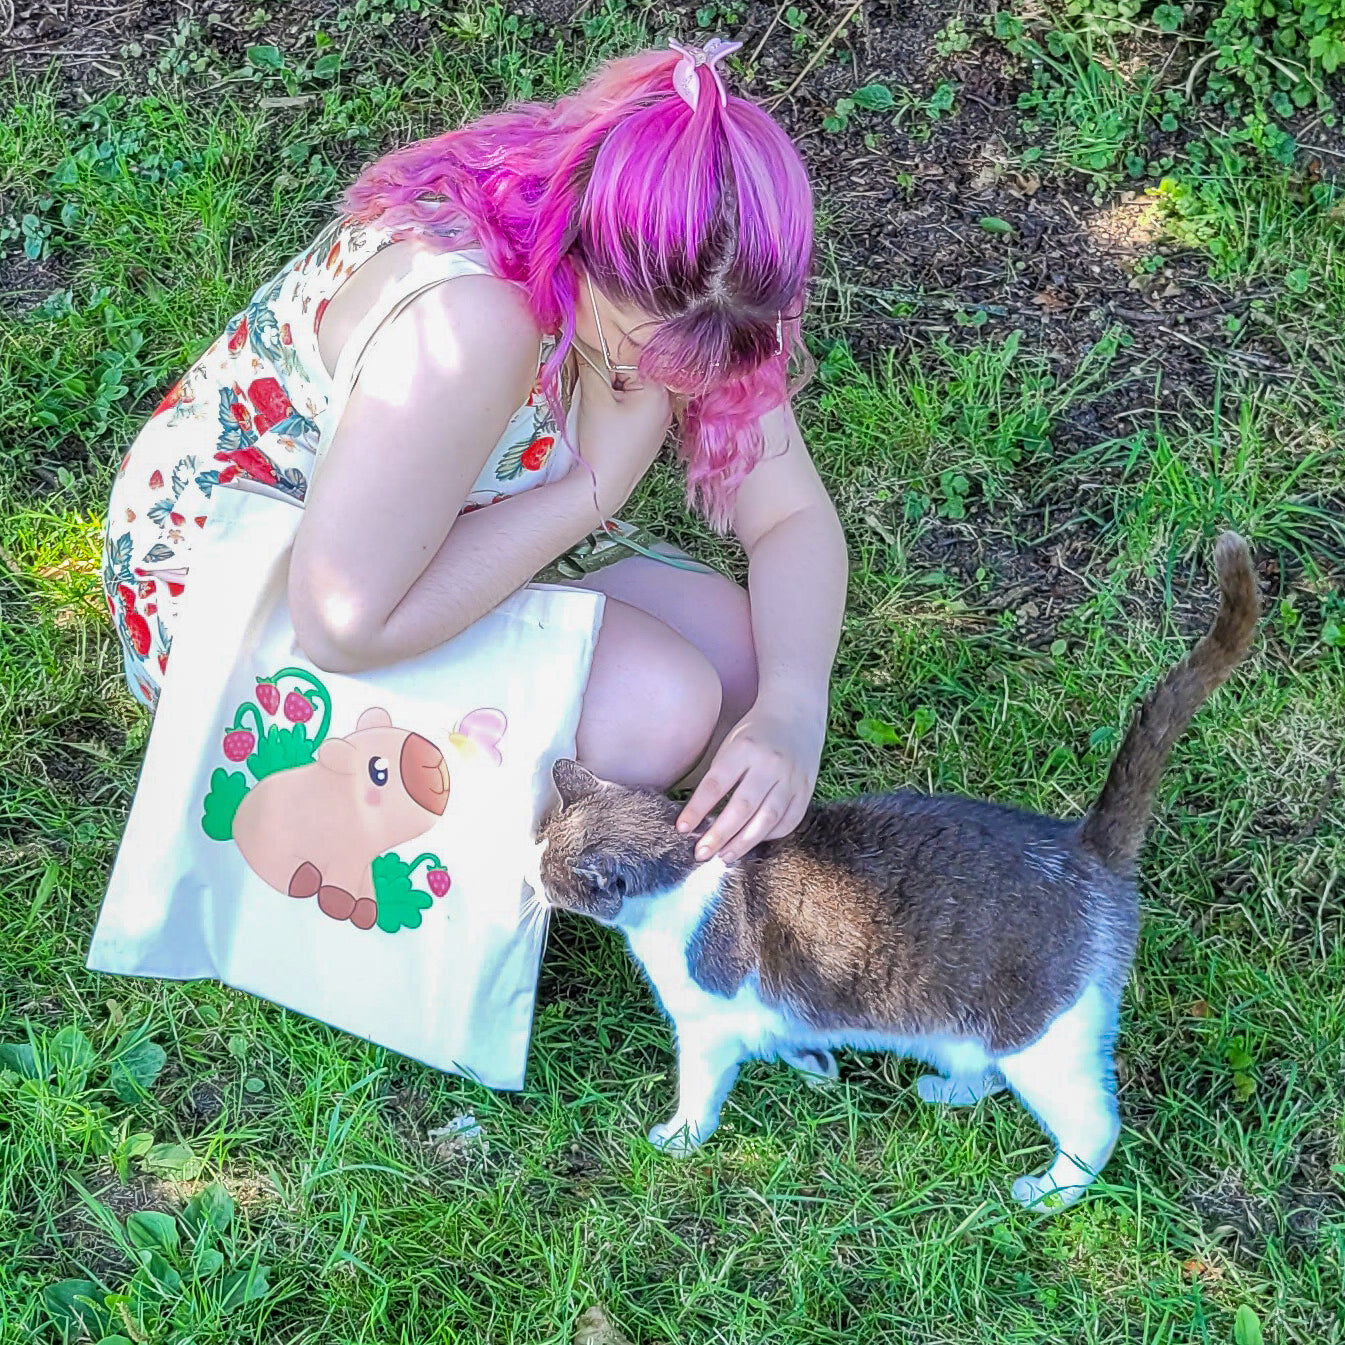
<point>315,830</point>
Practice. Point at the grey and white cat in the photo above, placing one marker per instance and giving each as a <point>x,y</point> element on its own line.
<point>989,942</point>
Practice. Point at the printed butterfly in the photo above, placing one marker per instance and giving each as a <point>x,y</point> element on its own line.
<point>479,734</point>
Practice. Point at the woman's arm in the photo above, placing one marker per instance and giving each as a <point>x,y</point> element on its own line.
<point>797,582</point>
<point>383,566</point>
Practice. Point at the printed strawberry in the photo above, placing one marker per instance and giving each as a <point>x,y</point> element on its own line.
<point>249,462</point>
<point>286,336</point>
<point>130,515</point>
<point>127,595</point>
<point>176,519</point>
<point>238,744</point>
<point>268,696</point>
<point>239,336</point>
<point>334,253</point>
<point>137,628</point>
<point>163,664</point>
<point>318,312</point>
<point>298,709</point>
<point>200,520</point>
<point>269,402</point>
<point>156,481</point>
<point>535,455</point>
<point>439,882</point>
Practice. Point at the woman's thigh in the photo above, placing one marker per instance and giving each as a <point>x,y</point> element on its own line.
<point>708,610</point>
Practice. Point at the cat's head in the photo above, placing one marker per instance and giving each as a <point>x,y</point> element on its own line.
<point>607,845</point>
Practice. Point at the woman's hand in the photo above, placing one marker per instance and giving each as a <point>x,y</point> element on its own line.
<point>619,436</point>
<point>768,764</point>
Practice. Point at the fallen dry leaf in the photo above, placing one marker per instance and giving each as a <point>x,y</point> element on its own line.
<point>594,1328</point>
<point>1195,1269</point>
<point>1050,299</point>
<point>1199,1009</point>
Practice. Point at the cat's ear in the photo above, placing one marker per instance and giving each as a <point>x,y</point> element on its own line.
<point>573,781</point>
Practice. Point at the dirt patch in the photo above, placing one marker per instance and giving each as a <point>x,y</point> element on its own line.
<point>202,1105</point>
<point>25,283</point>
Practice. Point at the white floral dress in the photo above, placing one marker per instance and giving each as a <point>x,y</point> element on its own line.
<point>249,414</point>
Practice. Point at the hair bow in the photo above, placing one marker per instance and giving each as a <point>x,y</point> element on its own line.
<point>685,79</point>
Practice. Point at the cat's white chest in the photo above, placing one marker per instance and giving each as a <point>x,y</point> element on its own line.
<point>660,930</point>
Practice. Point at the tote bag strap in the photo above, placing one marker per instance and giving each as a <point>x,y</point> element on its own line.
<point>429,270</point>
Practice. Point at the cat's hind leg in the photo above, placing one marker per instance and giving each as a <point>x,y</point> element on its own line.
<point>1065,1079</point>
<point>815,1063</point>
<point>707,1064</point>
<point>967,1073</point>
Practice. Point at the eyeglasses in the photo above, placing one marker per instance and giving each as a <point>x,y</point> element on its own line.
<point>618,373</point>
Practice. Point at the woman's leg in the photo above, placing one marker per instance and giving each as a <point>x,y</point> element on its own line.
<point>673,671</point>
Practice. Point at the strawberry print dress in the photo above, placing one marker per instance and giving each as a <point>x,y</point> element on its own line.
<point>249,414</point>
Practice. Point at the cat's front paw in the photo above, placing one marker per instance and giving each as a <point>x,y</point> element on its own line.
<point>1042,1196</point>
<point>678,1137</point>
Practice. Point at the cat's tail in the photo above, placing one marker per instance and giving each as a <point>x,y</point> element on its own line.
<point>1114,829</point>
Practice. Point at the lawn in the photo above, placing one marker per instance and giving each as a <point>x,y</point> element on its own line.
<point>1079,306</point>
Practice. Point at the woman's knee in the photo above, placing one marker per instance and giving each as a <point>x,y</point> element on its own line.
<point>652,701</point>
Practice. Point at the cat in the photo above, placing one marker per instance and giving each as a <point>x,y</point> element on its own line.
<point>988,942</point>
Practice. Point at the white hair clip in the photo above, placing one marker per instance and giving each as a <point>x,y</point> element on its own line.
<point>685,79</point>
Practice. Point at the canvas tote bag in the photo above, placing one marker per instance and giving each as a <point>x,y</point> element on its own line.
<point>351,847</point>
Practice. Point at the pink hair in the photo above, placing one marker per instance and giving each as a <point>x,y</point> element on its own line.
<point>701,218</point>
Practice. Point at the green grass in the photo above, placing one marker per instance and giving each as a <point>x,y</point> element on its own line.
<point>846,1214</point>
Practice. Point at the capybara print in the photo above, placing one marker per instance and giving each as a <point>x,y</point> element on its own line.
<point>323,814</point>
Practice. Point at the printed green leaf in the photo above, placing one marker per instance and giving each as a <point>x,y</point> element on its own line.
<point>281,750</point>
<point>227,789</point>
<point>135,1067</point>
<point>399,904</point>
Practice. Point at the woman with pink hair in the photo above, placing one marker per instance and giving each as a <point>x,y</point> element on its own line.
<point>630,258</point>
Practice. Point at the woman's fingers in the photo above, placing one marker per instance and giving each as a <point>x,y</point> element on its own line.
<point>735,815</point>
<point>759,827</point>
<point>792,815</point>
<point>726,770</point>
